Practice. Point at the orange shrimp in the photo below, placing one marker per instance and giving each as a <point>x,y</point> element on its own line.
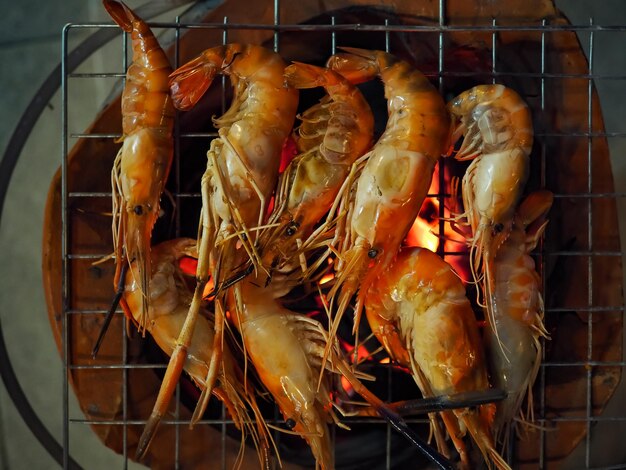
<point>282,347</point>
<point>498,136</point>
<point>241,173</point>
<point>333,134</point>
<point>396,176</point>
<point>288,351</point>
<point>143,163</point>
<point>169,301</point>
<point>243,162</point>
<point>513,340</point>
<point>419,312</point>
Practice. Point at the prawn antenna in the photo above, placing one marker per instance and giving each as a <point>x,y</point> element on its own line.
<point>116,301</point>
<point>448,402</point>
<point>231,281</point>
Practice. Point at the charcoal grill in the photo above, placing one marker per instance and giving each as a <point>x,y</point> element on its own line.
<point>590,308</point>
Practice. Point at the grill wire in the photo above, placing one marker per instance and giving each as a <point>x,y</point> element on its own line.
<point>442,29</point>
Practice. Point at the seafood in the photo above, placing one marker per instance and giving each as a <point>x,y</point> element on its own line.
<point>420,314</point>
<point>168,305</point>
<point>143,163</point>
<point>513,340</point>
<point>498,136</point>
<point>333,134</point>
<point>288,352</point>
<point>242,168</point>
<point>243,162</point>
<point>396,177</point>
<point>282,346</point>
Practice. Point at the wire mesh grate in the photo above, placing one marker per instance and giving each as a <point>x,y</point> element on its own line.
<point>587,193</point>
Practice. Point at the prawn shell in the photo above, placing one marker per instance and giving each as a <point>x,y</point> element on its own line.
<point>389,195</point>
<point>495,197</point>
<point>426,302</point>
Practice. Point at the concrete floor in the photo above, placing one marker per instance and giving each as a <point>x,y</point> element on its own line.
<point>29,50</point>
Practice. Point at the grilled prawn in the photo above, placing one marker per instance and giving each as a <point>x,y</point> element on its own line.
<point>241,172</point>
<point>418,310</point>
<point>396,176</point>
<point>288,351</point>
<point>333,134</point>
<point>498,137</point>
<point>143,163</point>
<point>168,305</point>
<point>513,338</point>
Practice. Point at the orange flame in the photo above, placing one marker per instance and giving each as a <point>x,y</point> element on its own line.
<point>426,233</point>
<point>189,266</point>
<point>347,386</point>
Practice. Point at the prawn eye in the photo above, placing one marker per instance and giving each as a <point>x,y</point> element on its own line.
<point>138,210</point>
<point>498,228</point>
<point>373,253</point>
<point>290,423</point>
<point>291,228</point>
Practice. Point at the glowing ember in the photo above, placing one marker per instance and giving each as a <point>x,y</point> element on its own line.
<point>421,234</point>
<point>189,266</point>
<point>425,231</point>
<point>362,353</point>
<point>327,278</point>
<point>208,289</point>
<point>290,150</point>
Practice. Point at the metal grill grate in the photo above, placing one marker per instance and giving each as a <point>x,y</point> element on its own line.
<point>543,133</point>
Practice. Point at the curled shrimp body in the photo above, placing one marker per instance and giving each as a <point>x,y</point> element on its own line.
<point>143,163</point>
<point>243,162</point>
<point>498,136</point>
<point>168,305</point>
<point>284,348</point>
<point>333,134</point>
<point>513,339</point>
<point>396,176</point>
<point>242,168</point>
<point>288,351</point>
<point>419,312</point>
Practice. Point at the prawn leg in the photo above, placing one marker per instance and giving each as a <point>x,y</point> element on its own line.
<point>177,359</point>
<point>167,314</point>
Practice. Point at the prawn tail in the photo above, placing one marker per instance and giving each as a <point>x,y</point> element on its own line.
<point>478,429</point>
<point>356,65</point>
<point>121,14</point>
<point>300,75</point>
<point>191,81</point>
